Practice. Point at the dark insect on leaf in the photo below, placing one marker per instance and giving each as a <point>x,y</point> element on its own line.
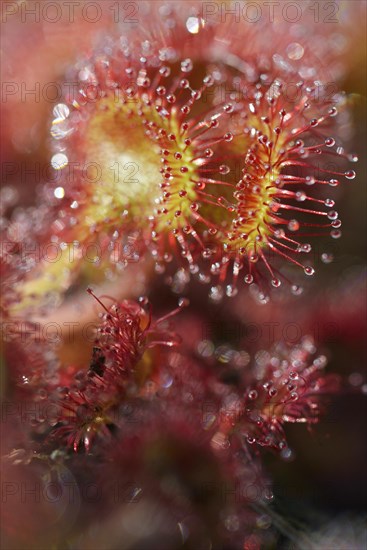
<point>97,365</point>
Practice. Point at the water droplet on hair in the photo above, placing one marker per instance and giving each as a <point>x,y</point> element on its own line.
<point>184,83</point>
<point>332,215</point>
<point>207,253</point>
<point>306,248</point>
<point>279,233</point>
<point>59,192</point>
<point>229,108</point>
<point>350,174</point>
<point>327,257</point>
<point>355,379</point>
<point>59,161</point>
<point>252,395</point>
<point>196,94</point>
<point>216,293</point>
<point>164,71</point>
<point>296,290</point>
<point>336,234</point>
<point>352,157</point>
<point>186,65</point>
<point>309,270</point>
<point>295,51</point>
<point>60,112</point>
<point>215,268</point>
<point>208,80</point>
<point>320,362</point>
<point>193,25</point>
<point>287,454</point>
<point>159,268</point>
<point>161,90</point>
<point>224,169</point>
<point>301,196</point>
<point>310,180</point>
<point>60,130</point>
<point>205,348</point>
<point>183,302</point>
<point>224,354</point>
<point>231,291</point>
<point>293,225</point>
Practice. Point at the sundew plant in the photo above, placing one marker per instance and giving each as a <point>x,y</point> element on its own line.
<point>182,317</point>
